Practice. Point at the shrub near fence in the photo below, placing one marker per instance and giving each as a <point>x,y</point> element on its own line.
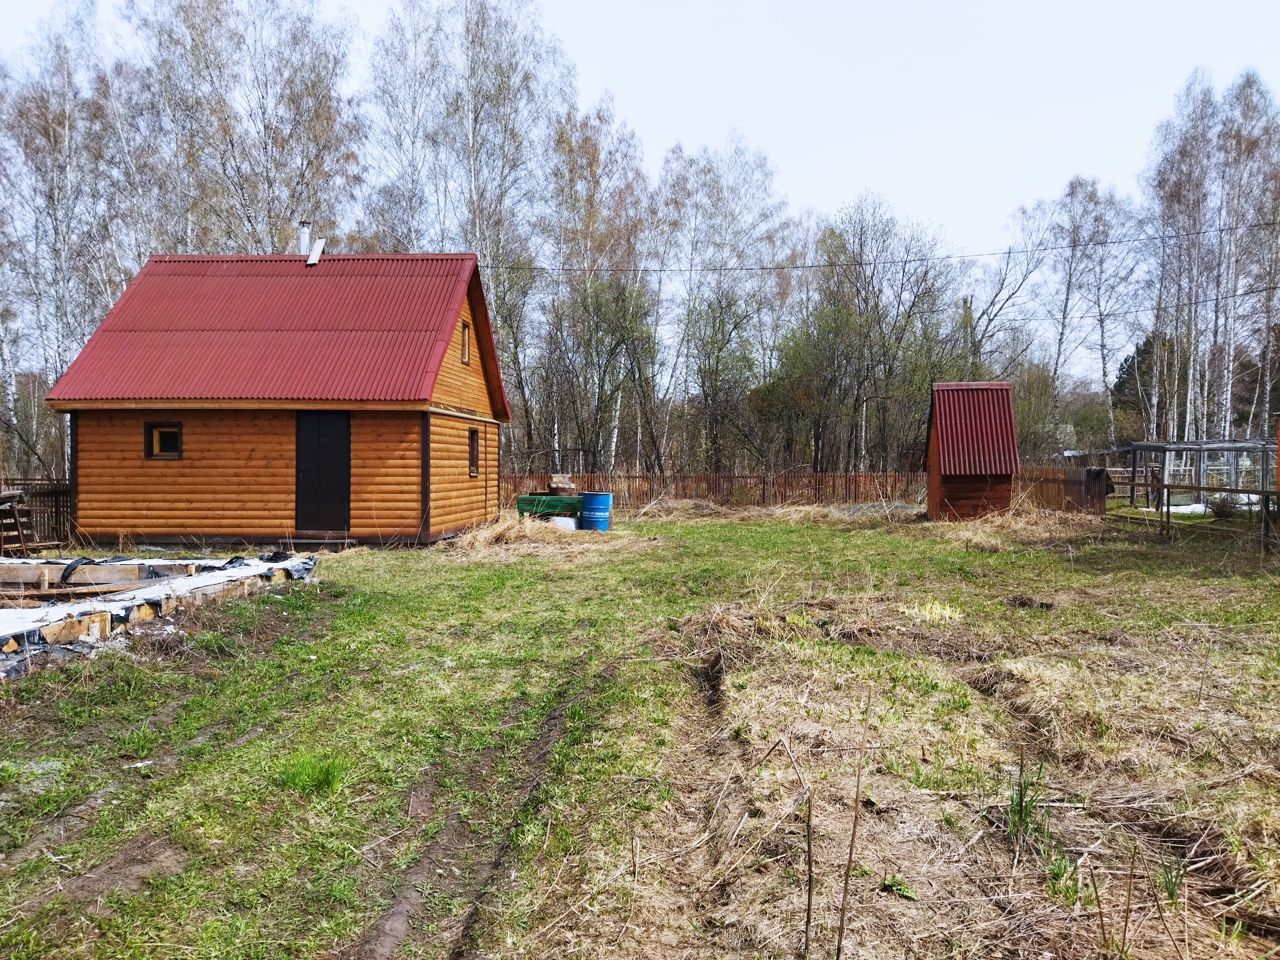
<point>50,503</point>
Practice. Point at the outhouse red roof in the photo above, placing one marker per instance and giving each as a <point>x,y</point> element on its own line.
<point>349,329</point>
<point>974,422</point>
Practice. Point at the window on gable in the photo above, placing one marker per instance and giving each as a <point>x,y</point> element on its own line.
<point>466,343</point>
<point>162,441</point>
<point>473,452</point>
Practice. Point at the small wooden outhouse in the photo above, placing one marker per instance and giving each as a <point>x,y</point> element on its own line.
<point>276,398</point>
<point>973,450</point>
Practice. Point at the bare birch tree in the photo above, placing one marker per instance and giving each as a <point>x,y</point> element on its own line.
<point>251,108</point>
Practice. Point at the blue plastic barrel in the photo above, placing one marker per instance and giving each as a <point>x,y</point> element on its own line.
<point>596,508</point>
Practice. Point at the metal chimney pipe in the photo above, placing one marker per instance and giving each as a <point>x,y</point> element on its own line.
<point>304,237</point>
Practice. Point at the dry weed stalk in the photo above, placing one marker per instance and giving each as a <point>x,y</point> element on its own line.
<point>1102,921</point>
<point>853,833</point>
<point>1164,920</point>
<point>808,857</point>
<point>1128,904</point>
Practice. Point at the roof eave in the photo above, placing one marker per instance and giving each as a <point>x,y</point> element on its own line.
<point>67,405</point>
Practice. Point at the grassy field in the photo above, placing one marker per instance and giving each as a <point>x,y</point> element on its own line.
<point>1056,738</point>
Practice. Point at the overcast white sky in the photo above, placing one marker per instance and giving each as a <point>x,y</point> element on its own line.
<point>955,112</point>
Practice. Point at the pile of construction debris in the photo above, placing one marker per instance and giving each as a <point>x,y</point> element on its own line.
<point>59,609</point>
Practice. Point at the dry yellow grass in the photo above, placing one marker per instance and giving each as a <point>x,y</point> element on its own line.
<point>763,771</point>
<point>703,511</point>
<point>513,537</point>
<point>671,508</point>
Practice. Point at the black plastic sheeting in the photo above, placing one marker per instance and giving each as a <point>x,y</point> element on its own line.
<point>277,556</point>
<point>73,566</point>
<point>153,573</point>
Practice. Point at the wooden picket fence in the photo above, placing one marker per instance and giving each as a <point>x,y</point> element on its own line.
<point>1054,488</point>
<point>1068,489</point>
<point>50,503</point>
<point>632,491</point>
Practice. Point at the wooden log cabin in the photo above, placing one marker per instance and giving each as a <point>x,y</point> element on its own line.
<point>282,398</point>
<point>973,450</point>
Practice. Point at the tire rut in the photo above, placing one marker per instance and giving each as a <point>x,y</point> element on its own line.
<point>461,865</point>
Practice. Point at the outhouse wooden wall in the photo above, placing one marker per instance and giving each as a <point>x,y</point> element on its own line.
<point>952,497</point>
<point>963,498</point>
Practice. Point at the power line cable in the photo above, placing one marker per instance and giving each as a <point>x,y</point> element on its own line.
<point>903,261</point>
<point>1167,305</point>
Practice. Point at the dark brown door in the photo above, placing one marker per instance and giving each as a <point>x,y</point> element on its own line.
<point>323,499</point>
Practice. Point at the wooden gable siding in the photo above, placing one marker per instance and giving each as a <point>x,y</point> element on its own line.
<point>459,500</point>
<point>235,479</point>
<point>386,475</point>
<point>463,386</point>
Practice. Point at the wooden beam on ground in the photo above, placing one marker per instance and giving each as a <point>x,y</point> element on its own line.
<point>69,593</point>
<point>95,574</point>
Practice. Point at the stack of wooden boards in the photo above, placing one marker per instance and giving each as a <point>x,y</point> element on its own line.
<point>33,584</point>
<point>17,533</point>
<point>98,599</point>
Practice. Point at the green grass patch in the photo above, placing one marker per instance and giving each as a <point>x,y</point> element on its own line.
<point>309,745</point>
<point>311,773</point>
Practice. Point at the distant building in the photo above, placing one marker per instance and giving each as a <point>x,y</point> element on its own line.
<point>270,398</point>
<point>973,450</point>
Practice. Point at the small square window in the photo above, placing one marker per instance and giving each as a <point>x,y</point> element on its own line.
<point>466,343</point>
<point>163,441</point>
<point>473,452</point>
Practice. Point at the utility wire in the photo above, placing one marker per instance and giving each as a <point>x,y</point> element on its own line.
<point>1164,306</point>
<point>934,258</point>
<point>1108,314</point>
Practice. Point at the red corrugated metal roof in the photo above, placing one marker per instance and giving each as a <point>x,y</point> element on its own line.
<point>975,429</point>
<point>350,329</point>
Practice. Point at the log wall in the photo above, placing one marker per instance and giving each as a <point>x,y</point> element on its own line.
<point>386,475</point>
<point>235,479</point>
<point>459,500</point>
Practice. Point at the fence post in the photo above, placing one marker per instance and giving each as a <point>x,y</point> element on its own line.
<point>1133,478</point>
